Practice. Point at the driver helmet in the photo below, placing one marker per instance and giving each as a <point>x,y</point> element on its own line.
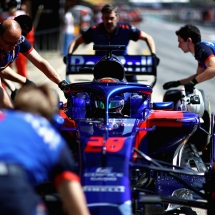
<point>116,103</point>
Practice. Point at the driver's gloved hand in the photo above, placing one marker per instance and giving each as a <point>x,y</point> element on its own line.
<point>62,85</point>
<point>189,87</point>
<point>156,59</point>
<point>171,84</point>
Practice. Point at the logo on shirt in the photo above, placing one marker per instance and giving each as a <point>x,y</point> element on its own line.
<point>133,28</point>
<point>209,44</point>
<point>44,130</point>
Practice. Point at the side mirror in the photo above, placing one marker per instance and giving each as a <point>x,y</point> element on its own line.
<point>163,105</point>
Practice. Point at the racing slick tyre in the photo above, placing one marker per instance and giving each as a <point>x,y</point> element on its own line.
<point>200,138</point>
<point>172,96</point>
<point>187,156</point>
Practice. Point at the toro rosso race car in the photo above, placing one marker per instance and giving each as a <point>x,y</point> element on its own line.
<point>131,153</point>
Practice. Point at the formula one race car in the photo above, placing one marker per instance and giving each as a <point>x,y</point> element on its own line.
<point>131,153</point>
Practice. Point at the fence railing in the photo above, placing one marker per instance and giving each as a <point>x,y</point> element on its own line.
<point>47,40</point>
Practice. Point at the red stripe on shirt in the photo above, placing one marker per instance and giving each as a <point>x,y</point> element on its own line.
<point>69,176</point>
<point>208,58</point>
<point>95,26</point>
<point>28,51</point>
<point>124,26</point>
<point>140,35</point>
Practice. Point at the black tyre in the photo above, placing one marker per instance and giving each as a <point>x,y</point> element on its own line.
<point>172,96</point>
<point>200,138</point>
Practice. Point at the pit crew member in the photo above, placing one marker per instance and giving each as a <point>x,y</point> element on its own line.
<point>33,152</point>
<point>13,42</point>
<point>113,32</point>
<point>189,40</point>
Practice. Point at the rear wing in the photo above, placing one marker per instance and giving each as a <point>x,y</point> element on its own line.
<point>133,64</point>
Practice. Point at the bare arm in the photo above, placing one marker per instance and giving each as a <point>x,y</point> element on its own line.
<point>6,100</point>
<point>186,80</point>
<point>149,41</point>
<point>73,198</point>
<point>9,74</point>
<point>44,66</point>
<point>208,73</point>
<point>9,84</point>
<point>183,81</point>
<point>75,43</point>
<point>202,74</point>
<point>190,78</point>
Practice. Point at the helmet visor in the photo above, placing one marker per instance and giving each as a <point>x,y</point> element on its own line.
<point>117,101</point>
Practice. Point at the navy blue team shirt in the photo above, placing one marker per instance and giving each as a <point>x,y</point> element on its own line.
<point>121,36</point>
<point>32,142</point>
<point>6,58</point>
<point>204,51</point>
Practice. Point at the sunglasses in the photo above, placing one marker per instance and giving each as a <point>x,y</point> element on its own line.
<point>13,44</point>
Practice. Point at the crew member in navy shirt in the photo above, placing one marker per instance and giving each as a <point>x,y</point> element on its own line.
<point>11,43</point>
<point>32,153</point>
<point>113,32</point>
<point>189,41</point>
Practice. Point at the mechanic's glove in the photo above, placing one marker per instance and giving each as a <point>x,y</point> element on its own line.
<point>65,59</point>
<point>189,87</point>
<point>171,84</point>
<point>28,82</point>
<point>13,94</point>
<point>156,59</point>
<point>62,85</point>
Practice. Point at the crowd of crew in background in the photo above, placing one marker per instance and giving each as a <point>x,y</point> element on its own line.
<point>204,15</point>
<point>79,18</point>
<point>84,17</point>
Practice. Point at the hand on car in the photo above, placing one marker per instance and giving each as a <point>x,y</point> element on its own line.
<point>189,87</point>
<point>156,59</point>
<point>62,85</point>
<point>171,84</point>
